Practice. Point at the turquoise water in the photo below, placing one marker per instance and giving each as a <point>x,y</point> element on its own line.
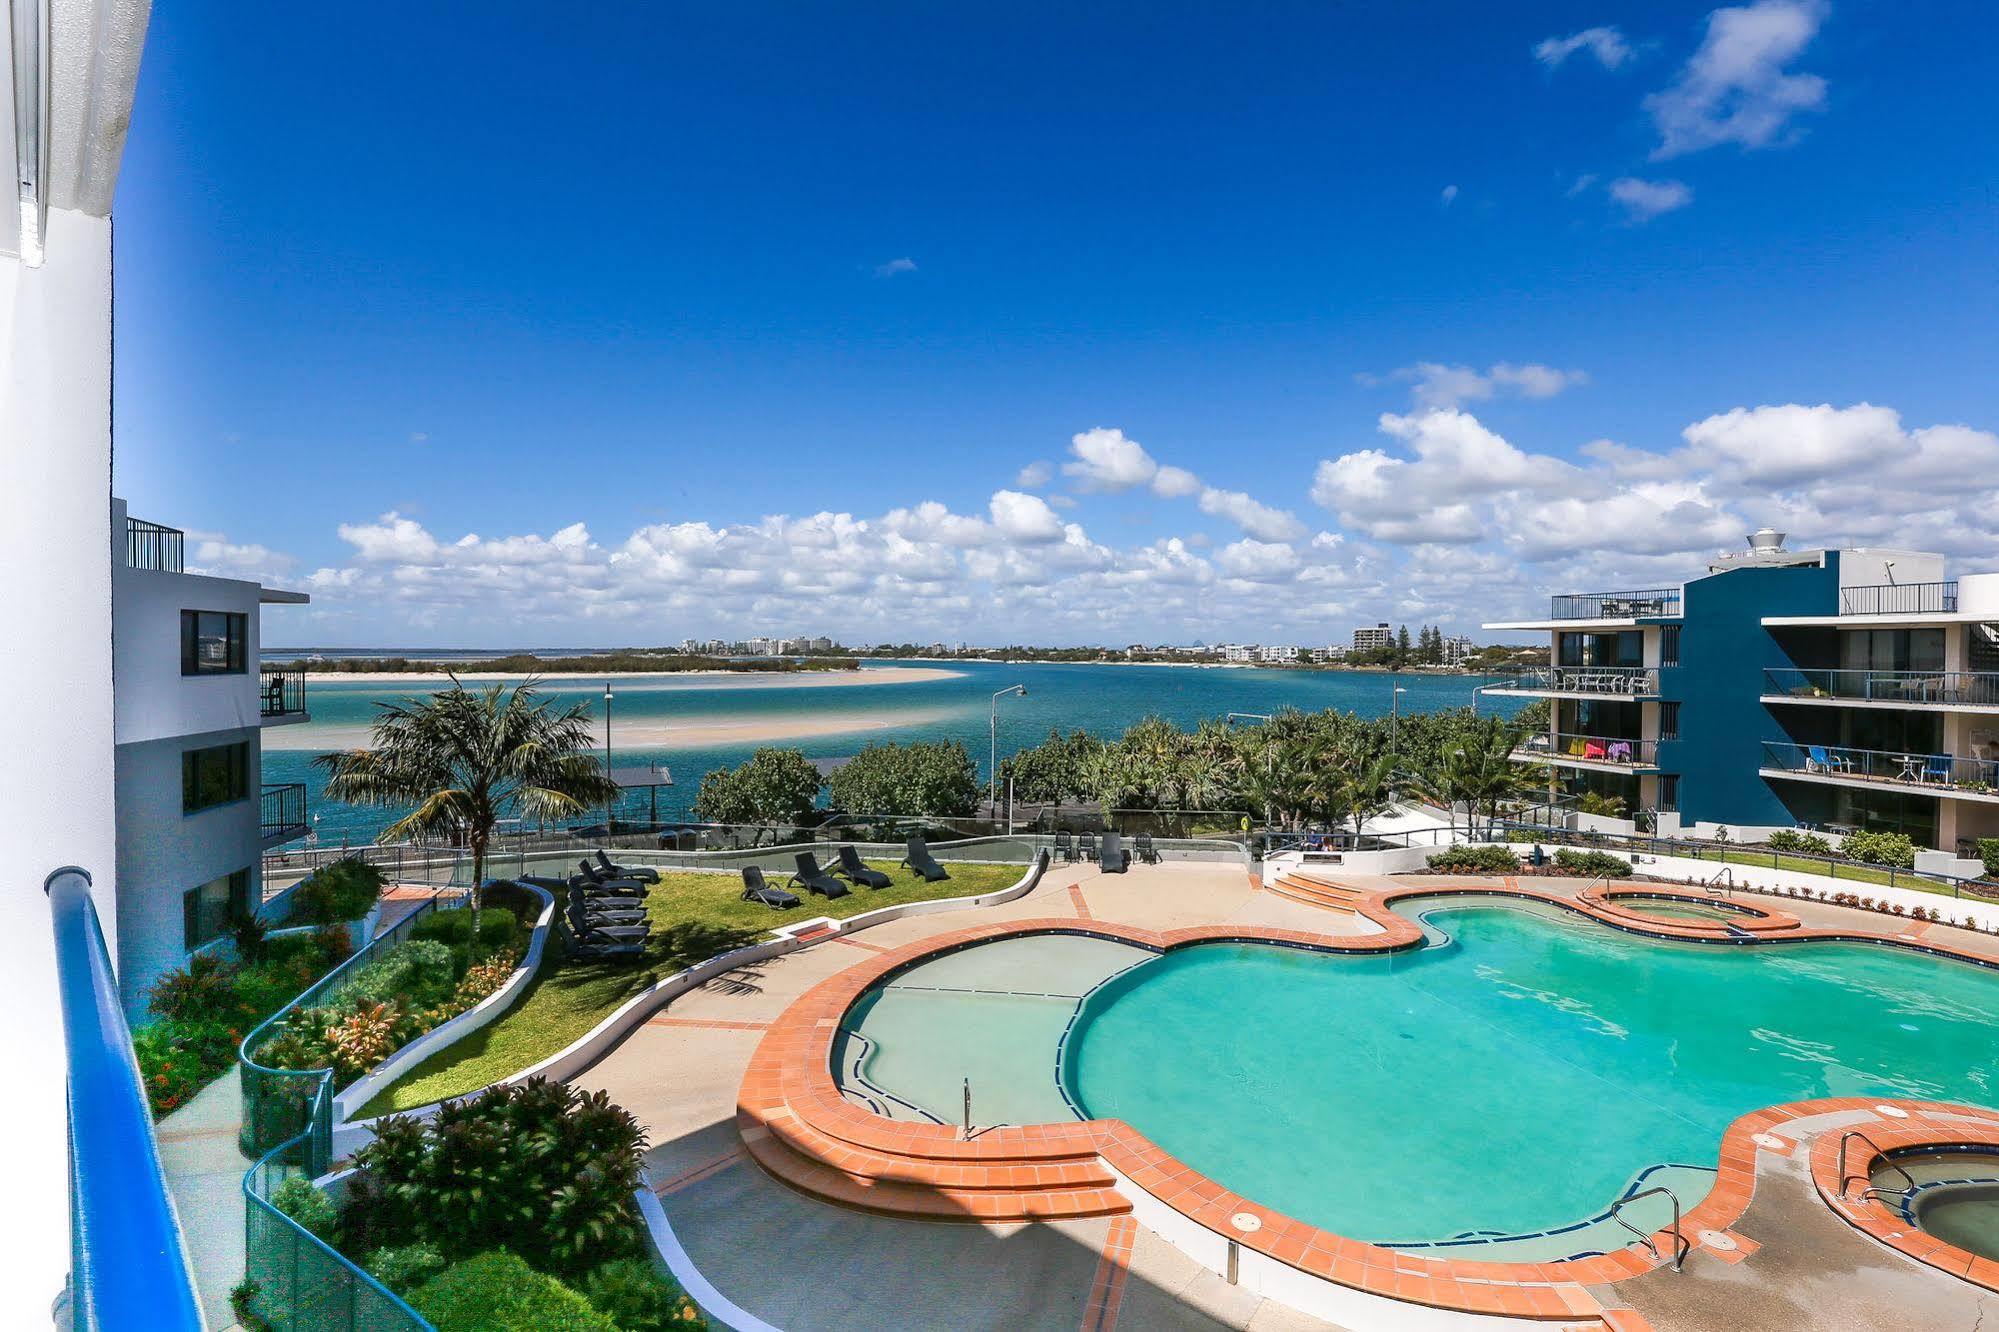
<point>1697,911</point>
<point>1512,1079</point>
<point>1103,700</point>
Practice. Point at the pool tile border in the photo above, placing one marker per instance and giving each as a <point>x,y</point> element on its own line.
<point>1928,1125</point>
<point>1047,1170</point>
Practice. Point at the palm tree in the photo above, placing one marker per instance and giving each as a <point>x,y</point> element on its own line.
<point>1479,771</point>
<point>462,758</point>
<point>1367,787</point>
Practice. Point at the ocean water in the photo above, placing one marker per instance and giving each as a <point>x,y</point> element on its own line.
<point>1103,700</point>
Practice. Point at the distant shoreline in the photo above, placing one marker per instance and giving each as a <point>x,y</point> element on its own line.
<point>870,675</point>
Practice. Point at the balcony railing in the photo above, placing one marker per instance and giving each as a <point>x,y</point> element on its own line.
<point>1615,605</point>
<point>151,546</point>
<point>1946,772</point>
<point>281,811</point>
<point>1899,599</point>
<point>1589,748</point>
<point>1971,689</point>
<point>280,693</point>
<point>128,1267</point>
<point>1607,681</point>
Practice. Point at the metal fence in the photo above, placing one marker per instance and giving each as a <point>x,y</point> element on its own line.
<point>1900,599</point>
<point>280,693</point>
<point>151,546</point>
<point>303,1283</point>
<point>281,810</point>
<point>1614,605</point>
<point>282,1103</point>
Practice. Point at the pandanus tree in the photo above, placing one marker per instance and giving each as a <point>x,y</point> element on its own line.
<point>461,759</point>
<point>1478,770</point>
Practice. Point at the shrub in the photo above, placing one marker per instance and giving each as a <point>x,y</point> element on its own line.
<point>200,989</point>
<point>1474,860</point>
<point>1801,843</point>
<point>497,929</point>
<point>1592,864</point>
<point>483,980</point>
<point>1988,851</point>
<point>404,1269</point>
<point>1594,802</point>
<point>637,1298</point>
<point>243,1303</point>
<point>252,938</point>
<point>1892,849</point>
<point>415,973</point>
<point>497,1292</point>
<point>345,890</point>
<point>363,1038</point>
<point>306,1203</point>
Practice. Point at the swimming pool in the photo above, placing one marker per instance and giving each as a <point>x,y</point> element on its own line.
<point>1488,1095</point>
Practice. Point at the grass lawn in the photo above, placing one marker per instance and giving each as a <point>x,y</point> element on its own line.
<point>695,915</point>
<point>1848,873</point>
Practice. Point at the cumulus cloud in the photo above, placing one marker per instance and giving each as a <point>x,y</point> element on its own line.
<point>1026,518</point>
<point>1644,200</point>
<point>1606,45</point>
<point>1035,475</point>
<point>895,267</point>
<point>1436,385</point>
<point>1735,88</point>
<point>213,554</point>
<point>1253,517</point>
<point>1450,195</point>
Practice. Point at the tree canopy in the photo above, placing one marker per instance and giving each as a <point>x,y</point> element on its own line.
<point>774,786</point>
<point>923,777</point>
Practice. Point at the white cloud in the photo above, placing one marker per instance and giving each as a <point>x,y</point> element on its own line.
<point>1257,519</point>
<point>1735,89</point>
<point>1791,443</point>
<point>1035,475</point>
<point>1450,195</point>
<point>1025,518</point>
<point>213,554</point>
<point>1607,45</point>
<point>1644,200</point>
<point>1435,385</point>
<point>1175,483</point>
<point>1108,462</point>
<point>895,267</point>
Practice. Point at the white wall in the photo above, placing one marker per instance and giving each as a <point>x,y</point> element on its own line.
<point>56,784</point>
<point>154,698</point>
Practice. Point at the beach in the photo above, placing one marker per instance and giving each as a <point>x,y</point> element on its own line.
<point>707,732</point>
<point>866,675</point>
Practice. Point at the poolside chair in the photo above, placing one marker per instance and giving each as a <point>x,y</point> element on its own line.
<point>1114,859</point>
<point>920,860</point>
<point>609,910</point>
<point>756,890</point>
<point>1065,846</point>
<point>850,865</point>
<point>1820,759</point>
<point>1087,845</point>
<point>817,880</point>
<point>1146,851</point>
<point>642,873</point>
<point>610,882</point>
<point>1938,769</point>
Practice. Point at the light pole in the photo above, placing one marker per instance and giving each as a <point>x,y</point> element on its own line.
<point>1269,756</point>
<point>1394,714</point>
<point>608,801</point>
<point>992,744</point>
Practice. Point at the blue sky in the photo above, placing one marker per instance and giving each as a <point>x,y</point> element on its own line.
<point>732,287</point>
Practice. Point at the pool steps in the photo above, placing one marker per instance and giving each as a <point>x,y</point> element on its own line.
<point>1319,892</point>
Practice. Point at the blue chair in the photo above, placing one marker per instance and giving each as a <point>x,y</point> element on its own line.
<point>1938,769</point>
<point>1817,759</point>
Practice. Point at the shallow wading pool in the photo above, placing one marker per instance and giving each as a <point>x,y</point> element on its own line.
<point>1486,1096</point>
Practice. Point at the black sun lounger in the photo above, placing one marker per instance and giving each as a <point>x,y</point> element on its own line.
<point>920,860</point>
<point>851,866</point>
<point>1113,859</point>
<point>817,880</point>
<point>756,890</point>
<point>600,882</point>
<point>643,873</point>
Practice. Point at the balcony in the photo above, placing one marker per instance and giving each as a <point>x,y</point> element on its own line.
<point>281,697</point>
<point>1837,765</point>
<point>281,813</point>
<point>1900,599</point>
<point>1651,603</point>
<point>1935,690</point>
<point>1583,682</point>
<point>1600,752</point>
<point>151,546</point>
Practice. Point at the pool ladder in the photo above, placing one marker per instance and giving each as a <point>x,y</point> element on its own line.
<point>1724,876</point>
<point>1681,1246</point>
<point>1880,1157</point>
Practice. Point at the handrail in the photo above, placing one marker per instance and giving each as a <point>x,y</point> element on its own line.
<point>1681,1246</point>
<point>1726,874</point>
<point>128,1265</point>
<point>1880,1156</point>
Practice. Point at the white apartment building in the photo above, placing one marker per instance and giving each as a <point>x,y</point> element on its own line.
<point>1237,652</point>
<point>1372,639</point>
<point>1459,650</point>
<point>1322,655</point>
<point>1277,654</point>
<point>194,814</point>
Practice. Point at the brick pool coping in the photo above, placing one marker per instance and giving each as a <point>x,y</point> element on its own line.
<point>790,1078</point>
<point>1928,1125</point>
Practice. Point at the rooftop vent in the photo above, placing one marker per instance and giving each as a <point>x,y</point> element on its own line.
<point>1766,541</point>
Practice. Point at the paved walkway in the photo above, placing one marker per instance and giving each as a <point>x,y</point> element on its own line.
<point>205,1175</point>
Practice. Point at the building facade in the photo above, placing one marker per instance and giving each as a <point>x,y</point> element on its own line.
<point>194,814</point>
<point>1834,689</point>
<point>1372,638</point>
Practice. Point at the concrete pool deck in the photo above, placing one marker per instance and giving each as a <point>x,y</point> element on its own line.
<point>799,1263</point>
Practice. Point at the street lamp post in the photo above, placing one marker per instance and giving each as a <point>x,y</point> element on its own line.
<point>992,744</point>
<point>608,801</point>
<point>1394,715</point>
<point>1269,757</point>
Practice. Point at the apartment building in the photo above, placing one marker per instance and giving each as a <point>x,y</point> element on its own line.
<point>1457,651</point>
<point>1839,689</point>
<point>1277,654</point>
<point>194,814</point>
<point>1241,652</point>
<point>1373,639</point>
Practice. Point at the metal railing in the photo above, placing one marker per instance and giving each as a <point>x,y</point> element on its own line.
<point>302,1282</point>
<point>1944,772</point>
<point>284,1103</point>
<point>1681,1245</point>
<point>151,546</point>
<point>128,1267</point>
<point>1900,599</point>
<point>1611,681</point>
<point>1552,748</point>
<point>281,810</point>
<point>1880,1157</point>
<point>1655,601</point>
<point>1978,689</point>
<point>280,693</point>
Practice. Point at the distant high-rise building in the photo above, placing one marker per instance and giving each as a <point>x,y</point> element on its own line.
<point>1373,639</point>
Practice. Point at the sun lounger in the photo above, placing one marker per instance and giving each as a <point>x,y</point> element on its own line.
<point>756,890</point>
<point>920,860</point>
<point>642,873</point>
<point>851,866</point>
<point>1114,859</point>
<point>591,874</point>
<point>817,880</point>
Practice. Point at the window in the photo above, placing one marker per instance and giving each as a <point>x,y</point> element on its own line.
<point>1669,645</point>
<point>1669,721</point>
<point>1669,793</point>
<point>214,642</point>
<point>210,777</point>
<point>208,912</point>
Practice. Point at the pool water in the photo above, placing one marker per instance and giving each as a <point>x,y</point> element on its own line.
<point>1506,1082</point>
<point>1955,1198</point>
<point>1702,912</point>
